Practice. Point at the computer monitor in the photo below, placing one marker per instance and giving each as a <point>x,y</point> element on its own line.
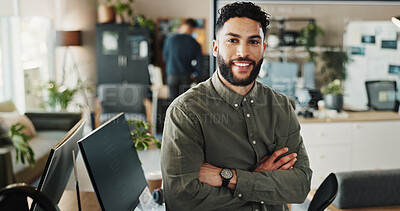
<point>113,165</point>
<point>60,164</point>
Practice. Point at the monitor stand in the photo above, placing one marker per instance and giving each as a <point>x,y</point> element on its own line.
<point>76,181</point>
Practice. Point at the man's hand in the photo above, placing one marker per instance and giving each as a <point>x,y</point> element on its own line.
<point>267,163</point>
<point>209,174</point>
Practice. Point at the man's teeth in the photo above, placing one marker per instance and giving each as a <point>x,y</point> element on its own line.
<point>242,64</point>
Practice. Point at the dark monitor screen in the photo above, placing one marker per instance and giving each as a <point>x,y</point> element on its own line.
<point>60,164</point>
<point>113,165</point>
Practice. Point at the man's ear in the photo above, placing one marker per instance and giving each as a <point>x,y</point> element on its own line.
<point>265,46</point>
<point>215,47</point>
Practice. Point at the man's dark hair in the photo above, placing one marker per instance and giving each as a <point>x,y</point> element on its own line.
<point>242,9</point>
<point>192,23</point>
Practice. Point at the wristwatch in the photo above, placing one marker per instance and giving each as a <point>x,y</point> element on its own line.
<point>226,175</point>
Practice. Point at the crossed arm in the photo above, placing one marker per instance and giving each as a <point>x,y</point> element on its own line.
<point>191,184</point>
<point>209,174</point>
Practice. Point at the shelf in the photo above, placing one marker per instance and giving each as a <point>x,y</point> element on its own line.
<point>296,51</point>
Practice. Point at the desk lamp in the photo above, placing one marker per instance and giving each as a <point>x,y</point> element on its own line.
<point>68,39</point>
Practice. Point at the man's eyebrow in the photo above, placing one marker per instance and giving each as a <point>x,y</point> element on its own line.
<point>232,34</point>
<point>236,35</point>
<point>255,37</point>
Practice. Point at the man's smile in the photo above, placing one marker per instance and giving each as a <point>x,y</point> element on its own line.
<point>242,64</point>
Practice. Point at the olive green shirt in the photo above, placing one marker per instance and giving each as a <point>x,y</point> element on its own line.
<point>211,123</point>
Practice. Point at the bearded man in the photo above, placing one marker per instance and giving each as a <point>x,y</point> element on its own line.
<point>232,143</point>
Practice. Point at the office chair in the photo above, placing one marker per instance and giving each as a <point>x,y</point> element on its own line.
<point>14,197</point>
<point>325,194</point>
<point>382,95</point>
<point>116,98</point>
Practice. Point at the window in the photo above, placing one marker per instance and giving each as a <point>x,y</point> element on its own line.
<point>26,60</point>
<point>5,50</point>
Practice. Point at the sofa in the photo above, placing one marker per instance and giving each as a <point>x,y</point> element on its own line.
<point>49,128</point>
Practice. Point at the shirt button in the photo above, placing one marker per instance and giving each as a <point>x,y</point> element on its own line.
<point>248,115</point>
<point>262,202</point>
<point>244,99</point>
<point>256,210</point>
<point>236,105</point>
<point>251,101</point>
<point>240,195</point>
<point>254,142</point>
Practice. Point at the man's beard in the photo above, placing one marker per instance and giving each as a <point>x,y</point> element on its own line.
<point>226,71</point>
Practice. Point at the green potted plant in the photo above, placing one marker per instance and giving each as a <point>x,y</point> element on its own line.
<point>23,151</point>
<point>105,12</point>
<point>110,10</point>
<point>143,22</point>
<point>140,135</point>
<point>59,95</point>
<point>308,36</point>
<point>334,64</point>
<point>333,95</point>
<point>333,73</point>
<point>120,8</point>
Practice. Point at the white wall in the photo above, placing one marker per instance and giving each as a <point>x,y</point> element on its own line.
<point>7,7</point>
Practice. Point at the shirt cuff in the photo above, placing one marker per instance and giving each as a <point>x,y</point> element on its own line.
<point>245,185</point>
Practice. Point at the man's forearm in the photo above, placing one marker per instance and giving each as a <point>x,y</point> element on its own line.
<point>209,175</point>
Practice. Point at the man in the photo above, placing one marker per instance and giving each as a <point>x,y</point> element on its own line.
<point>183,58</point>
<point>232,143</point>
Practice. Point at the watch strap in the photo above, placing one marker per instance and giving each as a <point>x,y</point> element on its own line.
<point>225,183</point>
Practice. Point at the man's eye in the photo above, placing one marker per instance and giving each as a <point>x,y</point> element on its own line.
<point>232,40</point>
<point>254,42</point>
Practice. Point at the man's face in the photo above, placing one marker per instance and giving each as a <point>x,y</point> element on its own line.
<point>185,29</point>
<point>239,49</point>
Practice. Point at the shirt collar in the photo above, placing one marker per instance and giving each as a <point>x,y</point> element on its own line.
<point>231,97</point>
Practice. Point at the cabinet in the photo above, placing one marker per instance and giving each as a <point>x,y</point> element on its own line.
<point>351,146</point>
<point>122,53</point>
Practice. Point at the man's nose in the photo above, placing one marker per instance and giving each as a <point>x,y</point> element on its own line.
<point>242,50</point>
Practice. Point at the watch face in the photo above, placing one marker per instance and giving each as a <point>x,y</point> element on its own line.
<point>226,173</point>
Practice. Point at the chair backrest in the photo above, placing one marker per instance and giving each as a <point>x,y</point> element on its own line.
<point>14,197</point>
<point>155,75</point>
<point>382,95</point>
<point>115,98</point>
<point>325,194</point>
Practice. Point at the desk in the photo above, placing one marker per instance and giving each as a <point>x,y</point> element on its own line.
<point>69,202</point>
<point>361,116</point>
